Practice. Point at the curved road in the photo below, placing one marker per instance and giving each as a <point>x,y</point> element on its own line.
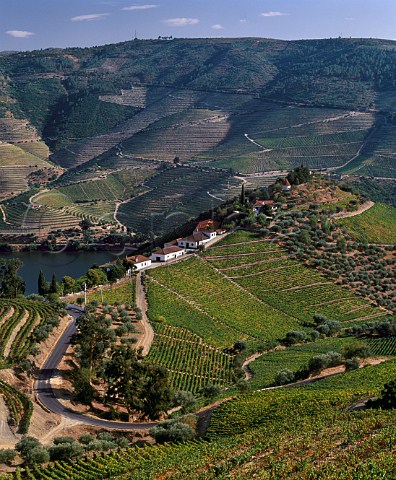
<point>46,396</point>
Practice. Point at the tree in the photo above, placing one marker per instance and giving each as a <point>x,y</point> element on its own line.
<point>387,399</point>
<point>38,455</point>
<point>31,450</point>
<point>68,284</point>
<point>115,272</point>
<point>54,288</point>
<point>157,395</point>
<point>96,276</point>
<point>12,284</point>
<point>284,377</point>
<point>85,224</point>
<point>42,286</point>
<point>356,349</point>
<point>7,456</point>
<point>295,336</point>
<point>211,391</point>
<point>240,345</point>
<point>186,400</point>
<point>243,199</point>
<point>172,431</point>
<point>137,385</point>
<point>124,376</point>
<point>93,337</point>
<point>83,389</point>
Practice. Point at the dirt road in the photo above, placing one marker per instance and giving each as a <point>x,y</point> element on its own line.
<point>147,336</point>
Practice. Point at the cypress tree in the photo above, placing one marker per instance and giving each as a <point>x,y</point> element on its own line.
<point>243,200</point>
<point>42,284</point>
<point>54,285</point>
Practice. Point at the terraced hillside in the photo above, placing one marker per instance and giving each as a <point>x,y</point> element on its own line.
<point>270,273</point>
<point>378,158</point>
<point>287,434</point>
<point>97,198</point>
<point>191,363</point>
<point>18,321</point>
<point>253,289</point>
<point>17,162</point>
<point>375,225</point>
<point>174,196</point>
<point>277,137</point>
<point>253,106</point>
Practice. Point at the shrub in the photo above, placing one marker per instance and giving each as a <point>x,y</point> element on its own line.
<point>317,363</point>
<point>356,349</point>
<point>352,364</point>
<point>107,436</point>
<point>295,336</point>
<point>284,377</point>
<point>211,391</point>
<point>85,438</point>
<point>186,400</point>
<point>26,445</point>
<point>7,456</point>
<point>240,345</point>
<point>122,442</point>
<point>387,399</point>
<point>59,440</point>
<point>172,431</point>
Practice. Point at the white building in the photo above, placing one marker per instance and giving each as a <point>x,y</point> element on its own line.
<point>167,253</point>
<point>139,261</point>
<point>195,240</point>
<point>259,204</point>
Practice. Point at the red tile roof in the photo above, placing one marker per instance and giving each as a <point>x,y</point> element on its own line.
<point>209,224</point>
<point>261,203</point>
<point>138,259</point>
<point>195,237</point>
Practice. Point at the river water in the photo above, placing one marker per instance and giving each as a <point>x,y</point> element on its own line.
<point>74,264</point>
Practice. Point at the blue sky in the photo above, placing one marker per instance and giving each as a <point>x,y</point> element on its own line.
<point>34,24</point>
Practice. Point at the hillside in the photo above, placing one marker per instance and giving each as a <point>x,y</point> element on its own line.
<point>247,106</point>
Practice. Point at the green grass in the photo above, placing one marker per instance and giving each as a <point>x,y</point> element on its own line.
<point>376,225</point>
<point>123,292</point>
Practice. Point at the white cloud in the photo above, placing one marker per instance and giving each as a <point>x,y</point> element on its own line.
<point>90,17</point>
<point>217,26</point>
<point>181,22</point>
<point>19,33</point>
<point>243,20</point>
<point>140,7</point>
<point>273,14</point>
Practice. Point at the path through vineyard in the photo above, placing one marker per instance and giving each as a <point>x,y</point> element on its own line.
<point>147,337</point>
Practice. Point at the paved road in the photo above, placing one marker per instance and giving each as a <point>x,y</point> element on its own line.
<point>46,396</point>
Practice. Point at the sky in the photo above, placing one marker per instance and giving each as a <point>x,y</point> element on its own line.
<point>36,24</point>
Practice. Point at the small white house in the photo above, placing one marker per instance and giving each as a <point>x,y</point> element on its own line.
<point>139,261</point>
<point>286,186</point>
<point>259,204</point>
<point>195,240</point>
<point>207,227</point>
<point>167,253</point>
